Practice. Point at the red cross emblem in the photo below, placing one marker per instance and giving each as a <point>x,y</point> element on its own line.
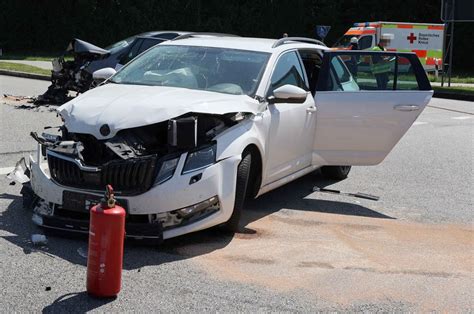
<point>411,38</point>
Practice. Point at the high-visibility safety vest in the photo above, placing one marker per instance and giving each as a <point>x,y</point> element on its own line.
<point>381,66</point>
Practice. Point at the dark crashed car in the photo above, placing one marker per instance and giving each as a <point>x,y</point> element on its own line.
<point>76,74</point>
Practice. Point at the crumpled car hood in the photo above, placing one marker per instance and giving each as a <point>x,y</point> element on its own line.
<point>127,106</point>
<point>82,47</point>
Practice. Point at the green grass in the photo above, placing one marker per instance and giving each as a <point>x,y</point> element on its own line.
<point>454,79</point>
<point>455,90</point>
<point>32,57</point>
<point>10,66</point>
<point>28,58</point>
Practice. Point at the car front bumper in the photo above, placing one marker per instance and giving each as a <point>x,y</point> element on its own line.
<point>217,180</point>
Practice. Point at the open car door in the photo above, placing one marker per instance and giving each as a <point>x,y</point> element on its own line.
<point>366,101</point>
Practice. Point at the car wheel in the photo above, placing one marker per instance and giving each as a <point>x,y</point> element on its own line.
<point>335,172</point>
<point>243,174</point>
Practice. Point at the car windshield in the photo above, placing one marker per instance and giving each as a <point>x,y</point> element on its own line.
<point>120,45</point>
<point>229,71</point>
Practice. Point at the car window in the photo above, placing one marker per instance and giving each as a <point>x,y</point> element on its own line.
<point>132,52</point>
<point>140,45</point>
<point>167,35</point>
<point>148,43</point>
<point>312,62</point>
<point>120,45</point>
<point>406,79</point>
<point>371,70</point>
<point>342,78</point>
<point>341,71</point>
<point>288,70</point>
<point>374,71</point>
<point>230,71</point>
<point>365,42</point>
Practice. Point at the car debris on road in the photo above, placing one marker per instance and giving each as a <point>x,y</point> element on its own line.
<point>18,98</point>
<point>39,239</point>
<point>358,194</point>
<point>20,172</point>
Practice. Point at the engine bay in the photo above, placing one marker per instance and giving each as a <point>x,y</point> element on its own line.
<point>160,139</point>
<point>134,159</point>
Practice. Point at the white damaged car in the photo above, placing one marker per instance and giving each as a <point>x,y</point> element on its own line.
<point>193,127</point>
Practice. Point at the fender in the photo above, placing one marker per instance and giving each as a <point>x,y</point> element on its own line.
<point>232,141</point>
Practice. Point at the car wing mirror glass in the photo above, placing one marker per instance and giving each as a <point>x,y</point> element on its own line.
<point>103,74</point>
<point>288,94</point>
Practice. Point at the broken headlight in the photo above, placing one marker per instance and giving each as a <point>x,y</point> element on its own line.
<point>200,159</point>
<point>167,170</point>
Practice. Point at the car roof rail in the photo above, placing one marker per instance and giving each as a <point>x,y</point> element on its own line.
<point>154,38</point>
<point>191,35</point>
<point>286,40</point>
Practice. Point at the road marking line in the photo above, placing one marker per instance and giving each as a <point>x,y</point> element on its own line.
<point>447,109</point>
<point>18,152</point>
<point>461,118</point>
<point>6,170</point>
<point>419,123</point>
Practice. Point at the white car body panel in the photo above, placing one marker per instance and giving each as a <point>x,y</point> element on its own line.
<point>129,106</point>
<point>170,195</point>
<point>290,138</point>
<point>362,127</point>
<point>251,131</point>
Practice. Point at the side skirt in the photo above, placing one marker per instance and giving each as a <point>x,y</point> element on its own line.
<point>287,179</point>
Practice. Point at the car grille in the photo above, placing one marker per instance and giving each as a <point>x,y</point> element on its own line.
<point>129,177</point>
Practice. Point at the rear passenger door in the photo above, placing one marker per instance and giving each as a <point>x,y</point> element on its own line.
<point>366,101</point>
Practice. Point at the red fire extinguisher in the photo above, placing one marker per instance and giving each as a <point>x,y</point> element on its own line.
<point>105,256</point>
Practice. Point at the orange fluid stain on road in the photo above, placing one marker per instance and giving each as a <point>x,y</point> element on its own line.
<point>347,259</point>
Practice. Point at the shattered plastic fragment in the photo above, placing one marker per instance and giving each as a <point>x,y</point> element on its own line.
<point>39,239</point>
<point>82,252</point>
<point>37,220</point>
<point>17,98</point>
<point>43,208</point>
<point>20,174</point>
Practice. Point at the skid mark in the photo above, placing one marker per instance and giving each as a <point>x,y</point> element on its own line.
<point>250,260</point>
<point>406,272</point>
<point>316,264</point>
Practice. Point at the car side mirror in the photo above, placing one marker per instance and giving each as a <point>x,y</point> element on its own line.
<point>288,94</point>
<point>103,74</point>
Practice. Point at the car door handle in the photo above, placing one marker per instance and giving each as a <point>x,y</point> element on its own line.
<point>406,107</point>
<point>311,109</point>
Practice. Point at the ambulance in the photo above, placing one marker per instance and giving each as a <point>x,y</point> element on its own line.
<point>424,39</point>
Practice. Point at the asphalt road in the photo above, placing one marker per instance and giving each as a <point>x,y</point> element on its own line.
<point>21,86</point>
<point>47,65</point>
<point>301,250</point>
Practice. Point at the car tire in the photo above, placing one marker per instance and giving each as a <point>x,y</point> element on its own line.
<point>243,174</point>
<point>335,172</point>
